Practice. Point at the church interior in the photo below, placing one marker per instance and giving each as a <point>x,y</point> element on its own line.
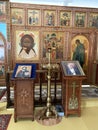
<point>48,65</point>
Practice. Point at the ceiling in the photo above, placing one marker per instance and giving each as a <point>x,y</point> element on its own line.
<point>76,3</point>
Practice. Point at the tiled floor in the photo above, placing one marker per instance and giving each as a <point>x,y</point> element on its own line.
<point>87,121</point>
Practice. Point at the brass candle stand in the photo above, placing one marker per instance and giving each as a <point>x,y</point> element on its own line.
<point>49,111</point>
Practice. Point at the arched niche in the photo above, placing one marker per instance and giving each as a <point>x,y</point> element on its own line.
<point>3,56</point>
<point>85,42</point>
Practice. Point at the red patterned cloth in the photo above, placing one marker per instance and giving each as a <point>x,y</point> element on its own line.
<point>4,121</point>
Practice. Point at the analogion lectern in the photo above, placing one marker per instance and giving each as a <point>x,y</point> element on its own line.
<point>23,78</point>
<point>72,76</point>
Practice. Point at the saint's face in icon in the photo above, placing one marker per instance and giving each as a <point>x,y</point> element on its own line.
<point>27,44</point>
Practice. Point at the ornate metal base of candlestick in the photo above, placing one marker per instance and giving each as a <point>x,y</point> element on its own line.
<point>48,112</point>
<point>48,116</point>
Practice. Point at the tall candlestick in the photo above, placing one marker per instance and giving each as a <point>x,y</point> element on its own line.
<point>49,111</point>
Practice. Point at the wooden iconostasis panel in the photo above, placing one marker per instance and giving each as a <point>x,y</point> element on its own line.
<point>52,26</point>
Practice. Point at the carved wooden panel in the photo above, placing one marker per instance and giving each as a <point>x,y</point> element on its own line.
<point>70,21</point>
<point>24,98</point>
<point>71,95</point>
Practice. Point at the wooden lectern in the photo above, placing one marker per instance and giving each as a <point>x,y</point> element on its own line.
<point>71,87</point>
<point>24,91</point>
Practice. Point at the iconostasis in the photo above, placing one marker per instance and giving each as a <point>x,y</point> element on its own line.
<point>34,28</point>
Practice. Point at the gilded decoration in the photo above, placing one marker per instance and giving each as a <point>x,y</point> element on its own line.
<point>2,11</point>
<point>34,17</point>
<point>93,20</point>
<point>65,18</point>
<point>84,43</point>
<point>80,19</point>
<point>17,16</point>
<point>27,45</point>
<point>49,18</point>
<point>55,40</point>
